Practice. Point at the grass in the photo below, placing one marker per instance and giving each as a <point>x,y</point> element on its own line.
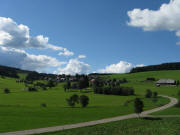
<point>139,83</point>
<point>169,111</point>
<point>154,126</point>
<point>22,110</point>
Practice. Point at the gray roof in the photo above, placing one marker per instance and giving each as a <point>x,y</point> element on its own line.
<point>166,81</point>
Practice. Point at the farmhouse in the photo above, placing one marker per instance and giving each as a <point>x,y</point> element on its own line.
<point>166,82</point>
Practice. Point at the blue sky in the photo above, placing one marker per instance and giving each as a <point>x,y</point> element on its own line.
<point>97,29</point>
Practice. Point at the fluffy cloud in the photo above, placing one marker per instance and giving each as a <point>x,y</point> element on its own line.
<point>167,17</point>
<point>21,59</point>
<point>74,66</point>
<point>82,56</point>
<point>15,38</point>
<point>18,36</point>
<point>66,53</point>
<point>121,67</point>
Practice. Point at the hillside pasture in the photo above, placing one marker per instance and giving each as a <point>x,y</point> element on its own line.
<point>21,109</point>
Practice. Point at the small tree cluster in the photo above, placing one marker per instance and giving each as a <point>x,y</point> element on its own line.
<point>6,91</point>
<point>150,79</point>
<point>123,91</point>
<point>75,99</point>
<point>51,84</point>
<point>32,89</point>
<point>148,93</point>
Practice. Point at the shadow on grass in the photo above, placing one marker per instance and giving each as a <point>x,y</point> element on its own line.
<point>152,118</point>
<point>88,107</point>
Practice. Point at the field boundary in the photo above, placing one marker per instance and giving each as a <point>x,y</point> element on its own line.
<point>172,102</point>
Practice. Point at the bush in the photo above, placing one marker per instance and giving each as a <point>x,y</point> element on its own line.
<point>148,93</point>
<point>150,79</point>
<point>32,89</point>
<point>6,90</point>
<point>51,84</point>
<point>155,94</point>
<point>44,105</point>
<point>73,100</point>
<point>178,93</point>
<point>178,104</point>
<point>84,100</point>
<point>70,102</point>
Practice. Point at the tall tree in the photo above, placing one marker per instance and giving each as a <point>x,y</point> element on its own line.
<point>138,106</point>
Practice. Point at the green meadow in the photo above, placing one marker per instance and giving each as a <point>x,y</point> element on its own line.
<point>159,126</point>
<point>21,109</point>
<point>141,126</point>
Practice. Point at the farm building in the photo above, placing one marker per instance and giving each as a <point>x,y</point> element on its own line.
<point>166,82</point>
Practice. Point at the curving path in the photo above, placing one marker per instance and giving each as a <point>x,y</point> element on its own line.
<point>172,102</point>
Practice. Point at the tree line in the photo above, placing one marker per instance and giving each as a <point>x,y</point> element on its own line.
<point>112,87</point>
<point>164,66</point>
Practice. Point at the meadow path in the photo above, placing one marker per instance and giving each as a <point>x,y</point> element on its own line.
<point>172,102</point>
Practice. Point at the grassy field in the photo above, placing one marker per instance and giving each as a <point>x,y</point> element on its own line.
<point>22,110</point>
<point>138,81</point>
<point>165,126</point>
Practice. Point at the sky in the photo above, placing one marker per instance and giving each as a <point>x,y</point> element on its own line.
<point>85,36</point>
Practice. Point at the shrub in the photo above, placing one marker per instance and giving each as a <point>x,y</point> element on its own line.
<point>178,93</point>
<point>73,100</point>
<point>32,89</point>
<point>44,105</point>
<point>155,94</point>
<point>70,102</point>
<point>51,84</point>
<point>44,88</point>
<point>178,104</point>
<point>6,90</point>
<point>150,79</point>
<point>84,100</point>
<point>148,93</point>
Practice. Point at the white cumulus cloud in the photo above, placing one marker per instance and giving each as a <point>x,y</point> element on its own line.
<point>18,36</point>
<point>167,17</point>
<point>120,67</point>
<point>21,59</point>
<point>66,52</point>
<point>74,66</point>
<point>82,56</point>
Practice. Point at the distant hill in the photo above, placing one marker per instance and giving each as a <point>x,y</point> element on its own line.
<point>164,66</point>
<point>13,72</point>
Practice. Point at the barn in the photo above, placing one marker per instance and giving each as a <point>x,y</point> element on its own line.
<point>166,82</point>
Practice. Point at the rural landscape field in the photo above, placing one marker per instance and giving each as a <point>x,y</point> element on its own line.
<point>23,109</point>
<point>89,67</point>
